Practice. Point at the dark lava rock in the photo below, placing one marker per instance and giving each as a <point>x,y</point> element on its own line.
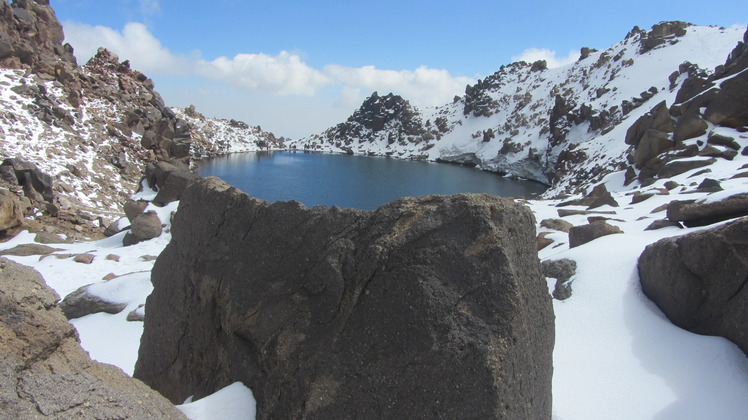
<point>81,303</point>
<point>709,185</point>
<point>662,223</point>
<point>599,196</point>
<point>698,280</point>
<point>174,185</point>
<point>44,372</point>
<point>694,214</point>
<point>678,167</point>
<point>580,235</point>
<point>428,307</point>
<point>562,270</point>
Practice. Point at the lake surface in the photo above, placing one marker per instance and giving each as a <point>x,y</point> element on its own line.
<point>352,181</point>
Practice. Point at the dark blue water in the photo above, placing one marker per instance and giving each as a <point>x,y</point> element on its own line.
<point>352,181</point>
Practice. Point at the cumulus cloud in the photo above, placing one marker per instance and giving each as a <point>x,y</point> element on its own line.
<point>284,74</point>
<point>423,86</point>
<point>531,55</point>
<point>135,43</point>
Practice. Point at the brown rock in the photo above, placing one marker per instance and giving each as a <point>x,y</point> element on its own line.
<point>81,303</point>
<point>428,306</point>
<point>44,373</point>
<point>694,214</point>
<point>26,250</point>
<point>556,224</point>
<point>698,280</point>
<point>580,235</point>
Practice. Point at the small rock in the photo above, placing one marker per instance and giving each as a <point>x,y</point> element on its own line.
<point>541,241</point>
<point>80,303</point>
<point>134,208</point>
<point>26,250</point>
<point>709,185</point>
<point>84,258</point>
<point>556,224</point>
<point>561,270</point>
<point>109,277</point>
<point>678,167</point>
<point>48,238</point>
<point>148,257</point>
<point>639,197</point>
<point>137,314</point>
<point>662,223</point>
<point>112,257</point>
<point>580,235</point>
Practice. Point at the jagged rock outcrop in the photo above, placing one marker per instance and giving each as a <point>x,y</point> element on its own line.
<point>430,307</point>
<point>45,374</point>
<point>698,280</point>
<point>31,35</point>
<point>95,126</point>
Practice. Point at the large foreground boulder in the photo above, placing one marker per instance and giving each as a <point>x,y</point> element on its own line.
<point>698,280</point>
<point>430,307</point>
<point>44,372</point>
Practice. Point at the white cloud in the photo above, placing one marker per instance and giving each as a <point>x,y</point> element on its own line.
<point>531,55</point>
<point>423,86</point>
<point>283,74</point>
<point>134,43</point>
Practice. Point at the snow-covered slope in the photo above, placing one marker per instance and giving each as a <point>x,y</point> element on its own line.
<point>213,136</point>
<point>532,122</point>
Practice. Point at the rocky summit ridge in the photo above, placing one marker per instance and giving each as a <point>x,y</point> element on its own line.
<point>557,126</point>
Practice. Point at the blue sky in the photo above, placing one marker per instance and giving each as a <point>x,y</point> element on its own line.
<point>296,67</point>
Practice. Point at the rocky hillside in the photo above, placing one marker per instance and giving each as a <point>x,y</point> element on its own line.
<point>563,126</point>
<point>213,136</point>
<point>85,131</point>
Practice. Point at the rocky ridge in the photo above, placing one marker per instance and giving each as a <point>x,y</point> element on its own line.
<point>215,137</point>
<point>558,126</point>
<point>90,128</point>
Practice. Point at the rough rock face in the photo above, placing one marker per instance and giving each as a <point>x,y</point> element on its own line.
<point>698,280</point>
<point>44,373</point>
<point>428,307</point>
<point>694,214</point>
<point>30,34</point>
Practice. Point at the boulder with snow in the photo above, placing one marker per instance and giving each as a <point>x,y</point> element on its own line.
<point>44,372</point>
<point>707,212</point>
<point>698,280</point>
<point>82,302</point>
<point>580,235</point>
<point>427,307</point>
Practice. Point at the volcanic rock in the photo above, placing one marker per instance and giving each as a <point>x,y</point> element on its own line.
<point>44,372</point>
<point>580,235</point>
<point>698,280</point>
<point>81,303</point>
<point>427,307</point>
<point>694,214</point>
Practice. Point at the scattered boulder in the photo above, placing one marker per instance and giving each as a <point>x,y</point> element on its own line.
<point>146,226</point>
<point>81,303</point>
<point>730,107</point>
<point>580,235</point>
<point>134,208</point>
<point>84,258</point>
<point>694,214</point>
<point>430,306</point>
<point>677,167</point>
<point>709,185</point>
<point>174,185</point>
<point>663,223</point>
<point>117,226</point>
<point>44,372</point>
<point>556,224</point>
<point>698,280</point>
<point>48,238</point>
<point>137,314</point>
<point>562,270</point>
<point>599,196</point>
<point>25,250</point>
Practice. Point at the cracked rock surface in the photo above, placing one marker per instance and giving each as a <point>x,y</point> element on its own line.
<point>698,280</point>
<point>44,372</point>
<point>425,308</point>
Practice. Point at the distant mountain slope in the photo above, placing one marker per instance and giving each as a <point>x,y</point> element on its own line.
<point>213,136</point>
<point>558,126</point>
